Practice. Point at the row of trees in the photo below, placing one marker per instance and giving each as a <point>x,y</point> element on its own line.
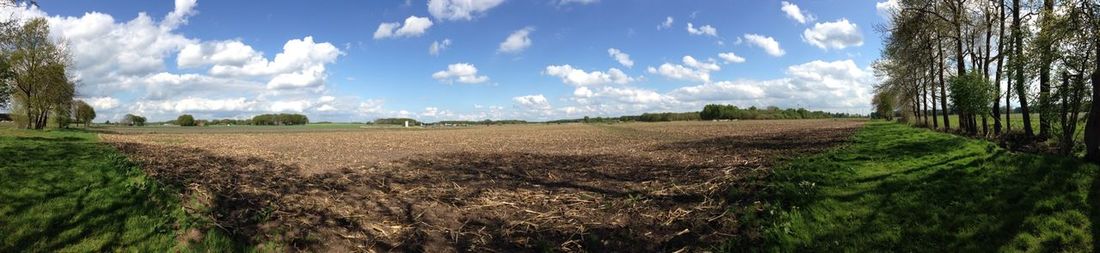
<point>34,82</point>
<point>279,119</point>
<point>715,111</point>
<point>955,56</point>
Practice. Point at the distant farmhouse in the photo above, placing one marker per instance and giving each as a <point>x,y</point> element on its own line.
<point>5,117</point>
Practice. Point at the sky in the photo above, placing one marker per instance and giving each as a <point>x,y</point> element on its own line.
<point>354,61</point>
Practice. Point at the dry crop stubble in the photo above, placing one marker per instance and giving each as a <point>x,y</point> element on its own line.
<point>573,187</point>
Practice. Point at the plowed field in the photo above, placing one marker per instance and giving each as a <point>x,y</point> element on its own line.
<point>573,187</point>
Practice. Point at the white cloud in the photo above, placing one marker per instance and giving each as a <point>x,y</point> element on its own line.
<point>887,8</point>
<point>460,72</point>
<point>438,46</point>
<point>838,34</point>
<point>694,70</point>
<point>460,9</point>
<point>184,9</point>
<point>371,107</point>
<point>230,52</point>
<point>730,57</point>
<point>193,105</point>
<point>102,103</point>
<point>414,27</point>
<point>796,13</point>
<point>703,30</point>
<point>532,102</point>
<point>667,24</point>
<point>517,41</point>
<point>621,57</point>
<point>816,85</point>
<point>769,44</point>
<point>579,77</point>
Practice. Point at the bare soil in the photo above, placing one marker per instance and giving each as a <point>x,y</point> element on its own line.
<point>575,187</point>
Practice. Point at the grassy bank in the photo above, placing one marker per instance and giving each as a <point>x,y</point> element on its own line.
<point>897,188</point>
<point>65,191</point>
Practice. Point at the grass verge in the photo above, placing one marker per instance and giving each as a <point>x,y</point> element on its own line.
<point>901,189</point>
<point>65,191</point>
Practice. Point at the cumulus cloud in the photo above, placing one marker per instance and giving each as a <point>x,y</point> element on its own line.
<point>667,24</point>
<point>730,57</point>
<point>438,46</point>
<point>796,13</point>
<point>838,34</point>
<point>620,57</point>
<point>231,52</point>
<point>532,102</point>
<point>691,70</point>
<point>460,9</point>
<point>414,27</point>
<point>102,103</point>
<point>703,30</point>
<point>816,84</point>
<point>123,66</point>
<point>460,72</point>
<point>579,77</point>
<point>887,8</point>
<point>517,41</point>
<point>769,44</point>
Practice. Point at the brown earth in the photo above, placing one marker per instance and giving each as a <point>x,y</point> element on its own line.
<point>575,187</point>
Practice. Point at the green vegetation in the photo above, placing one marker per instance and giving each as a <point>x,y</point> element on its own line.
<point>897,188</point>
<point>395,121</point>
<point>64,191</point>
<point>185,120</point>
<point>279,119</point>
<point>714,111</point>
<point>133,120</point>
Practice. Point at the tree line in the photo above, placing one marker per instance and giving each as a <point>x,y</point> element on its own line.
<point>978,58</point>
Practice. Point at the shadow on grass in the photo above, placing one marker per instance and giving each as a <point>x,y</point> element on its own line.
<point>915,190</point>
<point>62,192</point>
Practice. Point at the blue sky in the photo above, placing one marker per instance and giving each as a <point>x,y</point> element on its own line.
<point>359,60</point>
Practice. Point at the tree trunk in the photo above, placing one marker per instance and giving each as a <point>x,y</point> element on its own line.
<point>1067,134</point>
<point>1018,43</point>
<point>1092,128</point>
<point>943,88</point>
<point>1045,58</point>
<point>1000,62</point>
<point>932,79</point>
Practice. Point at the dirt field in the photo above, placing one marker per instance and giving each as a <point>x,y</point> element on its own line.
<point>621,187</point>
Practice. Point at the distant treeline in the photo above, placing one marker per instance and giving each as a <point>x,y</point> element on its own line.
<point>395,121</point>
<point>483,122</point>
<point>715,112</point>
<point>279,119</point>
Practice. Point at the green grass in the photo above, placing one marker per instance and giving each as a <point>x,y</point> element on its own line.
<point>903,189</point>
<point>65,191</point>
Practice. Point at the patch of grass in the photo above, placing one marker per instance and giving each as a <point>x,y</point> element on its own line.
<point>62,190</point>
<point>903,189</point>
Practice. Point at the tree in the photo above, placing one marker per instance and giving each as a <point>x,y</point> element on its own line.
<point>185,120</point>
<point>1018,67</point>
<point>971,95</point>
<point>133,120</point>
<point>84,112</point>
<point>39,82</point>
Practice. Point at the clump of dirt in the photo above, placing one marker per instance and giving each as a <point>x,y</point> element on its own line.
<point>643,187</point>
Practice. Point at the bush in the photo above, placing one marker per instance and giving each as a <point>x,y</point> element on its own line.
<point>185,120</point>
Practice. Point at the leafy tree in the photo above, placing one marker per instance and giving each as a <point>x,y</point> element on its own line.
<point>40,84</point>
<point>133,120</point>
<point>84,112</point>
<point>972,96</point>
<point>185,120</point>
